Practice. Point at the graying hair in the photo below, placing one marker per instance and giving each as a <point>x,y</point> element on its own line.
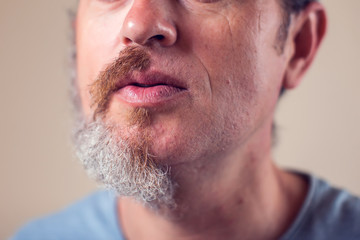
<point>108,158</point>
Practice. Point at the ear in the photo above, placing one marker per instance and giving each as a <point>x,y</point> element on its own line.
<point>306,33</point>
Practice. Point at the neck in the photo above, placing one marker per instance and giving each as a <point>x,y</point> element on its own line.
<point>240,196</point>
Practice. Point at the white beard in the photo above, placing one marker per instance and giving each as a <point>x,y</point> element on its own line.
<point>110,160</point>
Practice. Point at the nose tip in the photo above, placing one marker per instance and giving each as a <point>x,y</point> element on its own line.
<point>144,26</point>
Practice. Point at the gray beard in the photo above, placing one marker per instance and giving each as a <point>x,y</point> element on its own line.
<point>110,160</point>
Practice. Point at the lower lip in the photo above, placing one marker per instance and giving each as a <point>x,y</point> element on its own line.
<point>148,95</point>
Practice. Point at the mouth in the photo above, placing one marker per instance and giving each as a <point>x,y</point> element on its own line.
<point>147,90</point>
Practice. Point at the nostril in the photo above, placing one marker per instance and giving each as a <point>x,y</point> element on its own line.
<point>127,40</point>
<point>158,37</point>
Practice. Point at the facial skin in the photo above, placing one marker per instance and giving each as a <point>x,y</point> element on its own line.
<point>221,51</point>
<point>210,120</point>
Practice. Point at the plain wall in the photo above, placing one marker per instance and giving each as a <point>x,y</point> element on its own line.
<point>318,123</point>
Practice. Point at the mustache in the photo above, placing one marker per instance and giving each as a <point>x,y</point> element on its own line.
<point>130,59</point>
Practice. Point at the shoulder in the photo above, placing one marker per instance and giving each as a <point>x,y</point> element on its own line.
<point>335,209</point>
<point>327,213</point>
<point>93,217</point>
<point>335,203</point>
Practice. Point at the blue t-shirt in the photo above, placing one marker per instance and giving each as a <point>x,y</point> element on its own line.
<point>328,213</point>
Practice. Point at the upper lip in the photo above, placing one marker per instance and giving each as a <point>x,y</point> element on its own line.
<point>151,79</point>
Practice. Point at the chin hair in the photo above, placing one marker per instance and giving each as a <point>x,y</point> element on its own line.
<point>122,165</point>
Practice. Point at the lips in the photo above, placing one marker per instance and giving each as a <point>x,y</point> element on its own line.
<point>149,89</point>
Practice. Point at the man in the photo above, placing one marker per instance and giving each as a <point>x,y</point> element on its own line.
<point>176,102</point>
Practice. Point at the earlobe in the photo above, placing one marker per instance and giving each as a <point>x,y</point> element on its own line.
<point>307,32</point>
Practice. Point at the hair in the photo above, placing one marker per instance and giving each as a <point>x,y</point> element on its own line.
<point>295,6</point>
<point>290,7</point>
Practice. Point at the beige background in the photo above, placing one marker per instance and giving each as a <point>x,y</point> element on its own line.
<point>318,123</point>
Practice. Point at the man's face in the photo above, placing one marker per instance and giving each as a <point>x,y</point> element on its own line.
<point>214,76</point>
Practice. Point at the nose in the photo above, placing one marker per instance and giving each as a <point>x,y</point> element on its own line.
<point>149,22</point>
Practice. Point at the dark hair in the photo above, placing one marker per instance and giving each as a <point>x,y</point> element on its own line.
<point>295,6</point>
<point>290,7</point>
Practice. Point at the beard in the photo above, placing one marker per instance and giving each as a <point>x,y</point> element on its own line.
<point>118,161</point>
<point>122,164</point>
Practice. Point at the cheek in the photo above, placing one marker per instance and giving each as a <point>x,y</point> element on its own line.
<point>231,60</point>
<point>244,73</point>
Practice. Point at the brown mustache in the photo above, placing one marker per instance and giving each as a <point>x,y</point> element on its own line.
<point>130,59</point>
